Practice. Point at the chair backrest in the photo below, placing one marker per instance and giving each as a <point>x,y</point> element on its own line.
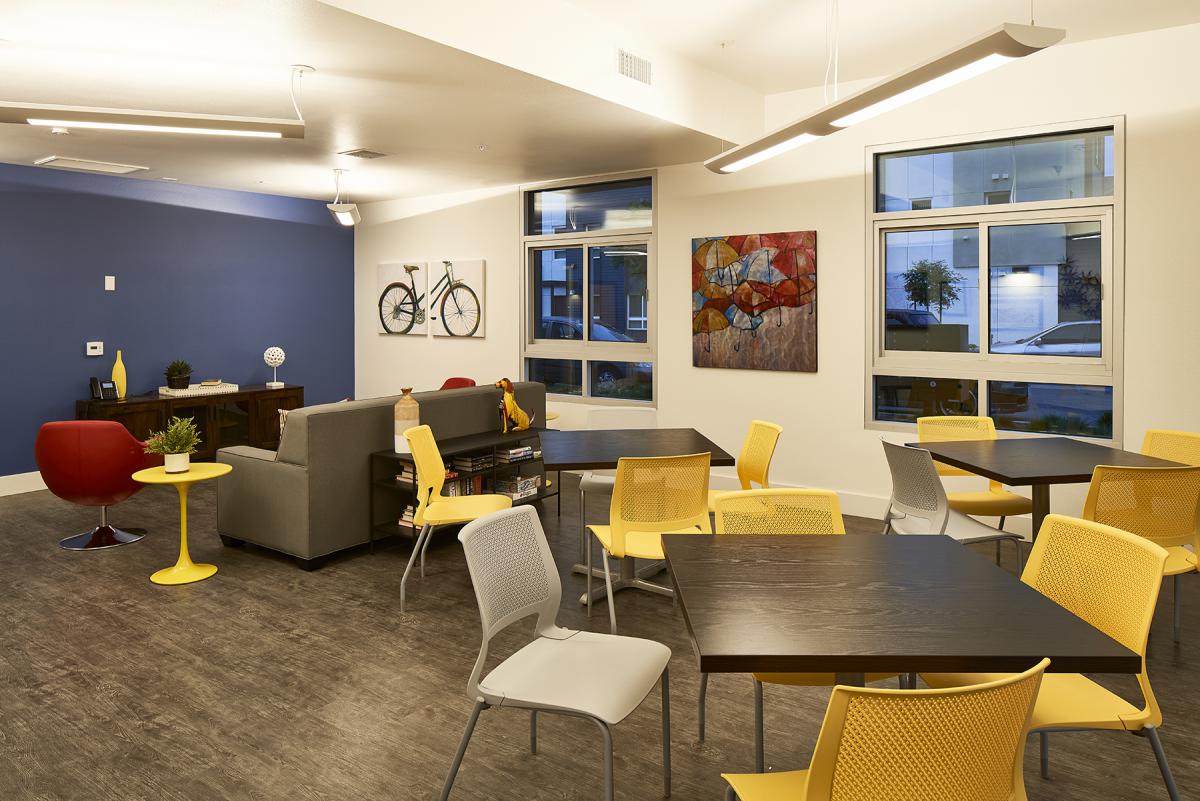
<point>754,462</point>
<point>779,511</point>
<point>622,417</point>
<point>457,382</point>
<point>1161,504</point>
<point>916,489</point>
<point>513,573</point>
<point>659,493</point>
<point>953,428</point>
<point>1176,446</point>
<point>1108,577</point>
<point>431,470</point>
<point>90,462</point>
<point>934,745</point>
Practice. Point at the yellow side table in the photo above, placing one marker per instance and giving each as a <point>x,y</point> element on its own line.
<point>185,570</point>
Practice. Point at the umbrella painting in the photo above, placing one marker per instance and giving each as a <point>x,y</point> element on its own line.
<point>754,301</point>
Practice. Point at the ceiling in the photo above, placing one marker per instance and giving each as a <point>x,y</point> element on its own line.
<point>779,45</point>
<point>449,121</point>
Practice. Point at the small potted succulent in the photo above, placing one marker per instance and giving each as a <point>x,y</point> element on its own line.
<point>178,374</point>
<point>176,444</point>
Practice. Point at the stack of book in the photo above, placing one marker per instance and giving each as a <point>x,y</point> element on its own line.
<point>469,464</point>
<point>406,517</point>
<point>472,485</point>
<point>510,455</point>
<point>518,487</point>
<point>407,474</point>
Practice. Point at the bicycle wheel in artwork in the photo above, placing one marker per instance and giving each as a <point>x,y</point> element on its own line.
<point>457,306</point>
<point>400,298</point>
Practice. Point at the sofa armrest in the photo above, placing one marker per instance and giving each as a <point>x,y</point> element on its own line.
<point>263,501</point>
<point>246,452</point>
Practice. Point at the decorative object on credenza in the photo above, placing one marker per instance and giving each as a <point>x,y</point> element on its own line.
<point>196,390</point>
<point>274,357</point>
<point>402,288</point>
<point>512,416</point>
<point>754,301</point>
<point>211,382</point>
<point>455,303</point>
<point>408,415</point>
<point>118,376</point>
<point>176,443</point>
<point>178,374</point>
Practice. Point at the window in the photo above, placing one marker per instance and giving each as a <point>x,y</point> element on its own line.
<point>589,289</point>
<point>996,283</point>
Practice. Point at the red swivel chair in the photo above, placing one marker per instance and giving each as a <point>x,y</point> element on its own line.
<point>458,383</point>
<point>91,463</point>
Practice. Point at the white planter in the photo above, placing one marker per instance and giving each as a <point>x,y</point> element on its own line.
<point>176,462</point>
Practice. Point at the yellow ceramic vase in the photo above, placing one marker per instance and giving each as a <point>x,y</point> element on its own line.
<point>118,376</point>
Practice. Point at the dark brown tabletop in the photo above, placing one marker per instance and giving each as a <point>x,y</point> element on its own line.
<point>1036,462</point>
<point>600,450</point>
<point>857,604</point>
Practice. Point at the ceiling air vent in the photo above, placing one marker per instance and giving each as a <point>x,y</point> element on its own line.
<point>66,163</point>
<point>632,66</point>
<point>362,153</point>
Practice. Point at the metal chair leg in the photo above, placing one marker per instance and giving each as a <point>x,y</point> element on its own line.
<point>759,756</point>
<point>1001,526</point>
<point>1045,750</point>
<point>583,532</point>
<point>612,609</point>
<point>411,560</point>
<point>533,731</point>
<point>1178,607</point>
<point>608,757</point>
<point>1160,755</point>
<point>703,695</point>
<point>588,587</point>
<point>424,548</point>
<point>666,716</point>
<point>462,749</point>
<point>102,536</point>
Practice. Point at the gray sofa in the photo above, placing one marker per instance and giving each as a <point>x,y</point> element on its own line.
<point>312,497</point>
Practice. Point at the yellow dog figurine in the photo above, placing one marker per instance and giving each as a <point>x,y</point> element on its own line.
<point>512,416</point>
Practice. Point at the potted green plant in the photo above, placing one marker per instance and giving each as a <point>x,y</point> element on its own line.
<point>178,374</point>
<point>176,444</point>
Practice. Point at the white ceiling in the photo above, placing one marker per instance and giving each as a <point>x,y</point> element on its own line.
<point>779,45</point>
<point>428,106</point>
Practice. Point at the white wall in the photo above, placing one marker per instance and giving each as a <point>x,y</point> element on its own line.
<point>1148,77</point>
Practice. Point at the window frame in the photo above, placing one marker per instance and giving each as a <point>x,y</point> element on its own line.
<point>587,350</point>
<point>984,366</point>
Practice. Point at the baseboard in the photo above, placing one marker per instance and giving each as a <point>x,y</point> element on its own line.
<point>21,482</point>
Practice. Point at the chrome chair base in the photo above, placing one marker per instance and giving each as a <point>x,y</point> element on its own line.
<point>100,537</point>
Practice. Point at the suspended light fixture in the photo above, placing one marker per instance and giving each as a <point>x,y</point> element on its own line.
<point>345,213</point>
<point>982,54</point>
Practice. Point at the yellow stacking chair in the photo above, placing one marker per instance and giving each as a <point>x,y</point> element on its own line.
<point>433,509</point>
<point>1175,446</point>
<point>995,501</point>
<point>652,496</point>
<point>1109,578</point>
<point>754,462</point>
<point>782,512</point>
<point>963,744</point>
<point>1161,504</point>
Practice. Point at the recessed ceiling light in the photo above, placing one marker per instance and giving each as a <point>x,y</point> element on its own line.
<point>168,178</point>
<point>67,163</point>
<point>60,132</point>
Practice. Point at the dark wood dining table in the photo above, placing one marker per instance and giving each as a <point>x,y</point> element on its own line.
<point>601,449</point>
<point>1035,462</point>
<point>857,604</point>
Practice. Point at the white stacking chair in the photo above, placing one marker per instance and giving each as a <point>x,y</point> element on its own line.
<point>598,677</point>
<point>601,482</point>
<point>919,504</point>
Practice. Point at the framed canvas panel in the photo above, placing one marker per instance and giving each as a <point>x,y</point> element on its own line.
<point>400,306</point>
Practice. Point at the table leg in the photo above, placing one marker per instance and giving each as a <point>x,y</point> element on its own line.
<point>631,577</point>
<point>185,570</point>
<point>1041,506</point>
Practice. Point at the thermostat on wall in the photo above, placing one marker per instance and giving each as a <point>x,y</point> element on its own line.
<point>95,349</point>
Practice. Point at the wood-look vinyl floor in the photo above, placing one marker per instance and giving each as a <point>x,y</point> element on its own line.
<point>266,682</point>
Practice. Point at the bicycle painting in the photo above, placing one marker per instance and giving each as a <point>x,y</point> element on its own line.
<point>452,305</point>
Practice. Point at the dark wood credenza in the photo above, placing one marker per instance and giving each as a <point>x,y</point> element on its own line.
<point>249,416</point>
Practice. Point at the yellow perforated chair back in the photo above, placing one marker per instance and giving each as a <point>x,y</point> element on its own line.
<point>431,471</point>
<point>754,462</point>
<point>1175,446</point>
<point>659,493</point>
<point>779,511</point>
<point>952,428</point>
<point>1161,504</point>
<point>1108,577</point>
<point>933,745</point>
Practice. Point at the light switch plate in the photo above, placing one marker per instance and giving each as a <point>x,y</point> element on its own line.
<point>95,349</point>
<point>110,283</point>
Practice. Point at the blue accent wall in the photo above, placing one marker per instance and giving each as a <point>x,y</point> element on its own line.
<point>206,275</point>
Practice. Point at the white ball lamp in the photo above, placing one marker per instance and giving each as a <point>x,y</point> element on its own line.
<point>274,357</point>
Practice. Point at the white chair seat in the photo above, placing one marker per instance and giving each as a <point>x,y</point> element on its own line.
<point>598,481</point>
<point>603,675</point>
<point>959,527</point>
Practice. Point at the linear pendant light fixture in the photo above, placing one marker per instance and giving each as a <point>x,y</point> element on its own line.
<point>982,54</point>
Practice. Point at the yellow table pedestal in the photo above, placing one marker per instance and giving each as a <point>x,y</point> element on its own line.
<point>185,570</point>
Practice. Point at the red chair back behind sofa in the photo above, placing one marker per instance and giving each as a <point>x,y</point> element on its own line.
<point>90,462</point>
